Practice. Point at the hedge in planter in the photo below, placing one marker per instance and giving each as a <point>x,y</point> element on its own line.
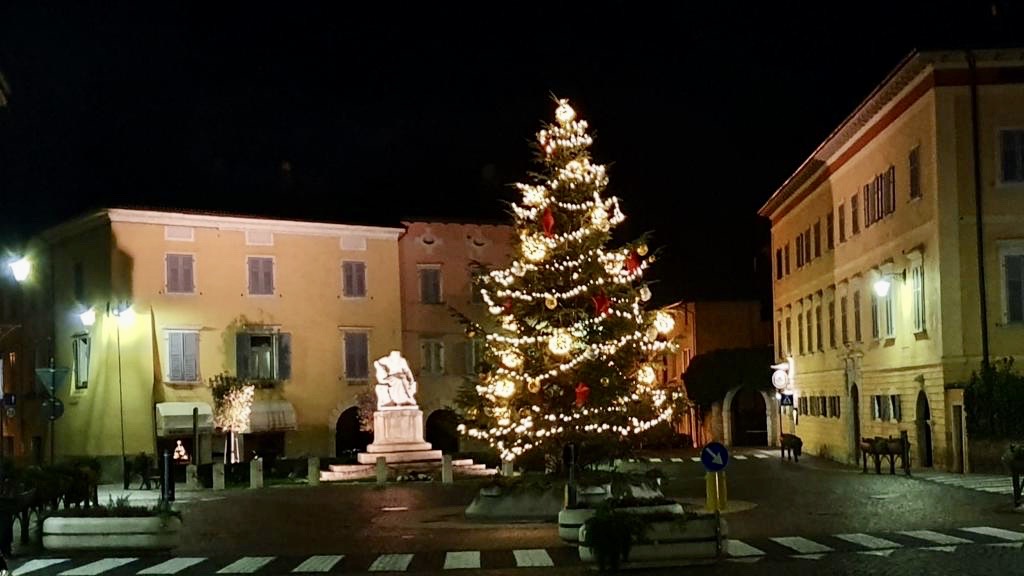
<point>115,526</point>
<point>615,536</point>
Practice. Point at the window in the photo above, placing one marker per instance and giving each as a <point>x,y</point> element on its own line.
<point>880,196</point>
<point>79,281</point>
<point>789,335</point>
<point>800,251</point>
<point>817,328</point>
<point>914,169</point>
<point>803,404</point>
<point>807,246</point>
<point>180,279</point>
<point>1013,269</point>
<point>80,357</point>
<point>1011,149</point>
<point>432,351</point>
<point>357,356</point>
<point>843,324</point>
<point>475,355</point>
<point>778,264</point>
<point>830,232</point>
<point>881,407</point>
<point>261,276</point>
<point>430,285</point>
<point>263,355</point>
<point>889,326</point>
<point>876,328</point>
<point>917,293</point>
<point>854,215</point>
<point>810,330</point>
<point>800,331</point>
<point>832,323</point>
<point>787,259</point>
<point>475,297</point>
<point>895,408</point>
<point>779,352</point>
<point>353,279</point>
<point>842,223</point>
<point>856,316</point>
<point>817,239</point>
<point>182,356</point>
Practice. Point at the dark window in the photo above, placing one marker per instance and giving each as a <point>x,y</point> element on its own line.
<point>800,251</point>
<point>832,323</point>
<point>914,169</point>
<point>817,239</point>
<point>830,232</point>
<point>263,356</point>
<point>844,325</point>
<point>1012,155</point>
<point>854,215</point>
<point>856,316</point>
<point>778,266</point>
<point>357,356</point>
<point>1014,265</point>
<point>786,254</point>
<point>430,285</point>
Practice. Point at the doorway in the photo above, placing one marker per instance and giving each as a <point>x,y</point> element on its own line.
<point>924,430</point>
<point>349,437</point>
<point>854,423</point>
<point>749,418</point>
<point>442,431</point>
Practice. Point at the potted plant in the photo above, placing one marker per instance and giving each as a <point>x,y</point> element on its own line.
<point>117,525</point>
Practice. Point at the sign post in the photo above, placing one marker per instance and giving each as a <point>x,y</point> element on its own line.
<point>715,457</point>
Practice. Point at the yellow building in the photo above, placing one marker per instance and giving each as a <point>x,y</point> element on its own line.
<point>437,261</point>
<point>150,305</point>
<point>876,269</point>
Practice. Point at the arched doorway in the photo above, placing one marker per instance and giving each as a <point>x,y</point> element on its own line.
<point>348,438</point>
<point>854,424</point>
<point>749,418</point>
<point>924,430</point>
<point>442,431</point>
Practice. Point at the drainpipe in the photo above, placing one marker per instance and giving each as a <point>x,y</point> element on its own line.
<point>979,227</point>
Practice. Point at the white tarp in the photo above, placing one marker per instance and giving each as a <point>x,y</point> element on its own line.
<point>271,416</point>
<point>175,418</point>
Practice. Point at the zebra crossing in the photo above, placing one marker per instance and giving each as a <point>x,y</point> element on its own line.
<point>991,483</point>
<point>757,455</point>
<point>739,550</point>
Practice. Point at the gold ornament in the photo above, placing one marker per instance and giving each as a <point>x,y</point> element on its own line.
<point>560,343</point>
<point>645,293</point>
<point>564,113</point>
<point>533,387</point>
<point>642,249</point>
<point>511,359</point>
<point>605,380</point>
<point>646,375</point>
<point>504,388</point>
<point>550,302</point>
<point>651,260</point>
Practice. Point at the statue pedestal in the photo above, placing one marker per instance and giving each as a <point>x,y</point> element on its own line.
<point>398,437</point>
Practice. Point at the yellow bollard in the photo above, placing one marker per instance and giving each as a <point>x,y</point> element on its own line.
<point>723,491</point>
<point>717,493</point>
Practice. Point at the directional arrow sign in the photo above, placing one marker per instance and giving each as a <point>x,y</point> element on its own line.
<point>715,457</point>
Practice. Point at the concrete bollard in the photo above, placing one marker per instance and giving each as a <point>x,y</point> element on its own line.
<point>313,471</point>
<point>382,470</point>
<point>218,475</point>
<point>446,469</point>
<point>506,468</point>
<point>256,473</point>
<point>191,477</point>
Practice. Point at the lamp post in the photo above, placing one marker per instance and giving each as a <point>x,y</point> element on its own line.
<point>125,315</point>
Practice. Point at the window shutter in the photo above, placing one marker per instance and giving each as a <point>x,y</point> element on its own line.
<point>361,279</point>
<point>284,356</point>
<point>173,284</point>
<point>242,351</point>
<point>347,280</point>
<point>254,276</point>
<point>175,353</point>
<point>187,282</point>
<point>268,276</point>
<point>1014,287</point>
<point>350,356</point>
<point>440,357</point>
<point>190,355</point>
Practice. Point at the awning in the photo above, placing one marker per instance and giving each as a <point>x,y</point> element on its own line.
<point>175,418</point>
<point>271,416</point>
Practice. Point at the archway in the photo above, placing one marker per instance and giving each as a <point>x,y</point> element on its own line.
<point>348,437</point>
<point>749,416</point>
<point>854,423</point>
<point>442,431</point>
<point>924,430</point>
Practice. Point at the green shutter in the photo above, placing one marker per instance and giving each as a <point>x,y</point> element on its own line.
<point>242,347</point>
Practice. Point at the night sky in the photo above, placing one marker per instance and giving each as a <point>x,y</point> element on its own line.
<point>344,114</point>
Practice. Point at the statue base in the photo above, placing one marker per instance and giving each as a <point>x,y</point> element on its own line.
<point>398,437</point>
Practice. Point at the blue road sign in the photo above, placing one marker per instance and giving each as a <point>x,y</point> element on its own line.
<point>787,400</point>
<point>714,457</point>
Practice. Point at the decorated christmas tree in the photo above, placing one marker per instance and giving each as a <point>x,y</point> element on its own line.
<point>570,354</point>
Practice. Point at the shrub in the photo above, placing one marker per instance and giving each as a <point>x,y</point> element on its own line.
<point>994,399</point>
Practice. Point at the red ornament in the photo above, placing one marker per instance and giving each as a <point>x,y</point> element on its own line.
<point>601,304</point>
<point>632,262</point>
<point>547,220</point>
<point>582,394</point>
<point>507,307</point>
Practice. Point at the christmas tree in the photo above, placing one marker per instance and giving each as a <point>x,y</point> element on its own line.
<point>569,351</point>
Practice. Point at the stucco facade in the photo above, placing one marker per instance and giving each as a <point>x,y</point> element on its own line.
<point>890,196</point>
<point>201,305</point>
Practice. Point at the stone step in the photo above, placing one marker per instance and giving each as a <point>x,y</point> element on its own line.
<point>327,476</point>
<point>470,466</point>
<point>460,471</point>
<point>349,467</point>
<point>463,462</point>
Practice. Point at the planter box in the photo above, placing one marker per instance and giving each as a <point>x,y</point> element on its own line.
<point>571,519</point>
<point>493,505</point>
<point>699,540</point>
<point>147,533</point>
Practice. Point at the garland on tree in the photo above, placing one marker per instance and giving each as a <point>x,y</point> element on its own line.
<point>569,351</point>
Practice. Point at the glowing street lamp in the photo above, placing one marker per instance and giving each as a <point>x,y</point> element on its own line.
<point>21,268</point>
<point>882,286</point>
<point>88,317</point>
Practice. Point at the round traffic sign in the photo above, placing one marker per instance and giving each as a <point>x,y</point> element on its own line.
<point>780,379</point>
<point>714,456</point>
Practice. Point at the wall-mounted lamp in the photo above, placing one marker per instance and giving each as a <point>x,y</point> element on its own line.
<point>21,268</point>
<point>124,313</point>
<point>885,280</point>
<point>88,317</point>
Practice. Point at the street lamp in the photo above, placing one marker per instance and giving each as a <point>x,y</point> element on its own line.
<point>21,268</point>
<point>125,317</point>
<point>88,317</point>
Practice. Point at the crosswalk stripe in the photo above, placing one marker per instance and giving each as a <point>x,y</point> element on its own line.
<point>882,553</point>
<point>868,541</point>
<point>318,563</point>
<point>172,566</point>
<point>949,549</point>
<point>740,457</point>
<point>998,489</point>
<point>391,563</point>
<point>533,557</point>
<point>98,567</point>
<point>462,560</point>
<point>802,545</point>
<point>809,556</point>
<point>935,537</point>
<point>997,533</point>
<point>695,458</point>
<point>739,548</point>
<point>246,565</point>
<point>655,459</point>
<point>677,459</point>
<point>760,456</point>
<point>38,564</point>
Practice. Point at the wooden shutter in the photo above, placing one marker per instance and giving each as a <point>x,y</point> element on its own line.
<point>242,352</point>
<point>346,278</point>
<point>284,356</point>
<point>254,276</point>
<point>268,276</point>
<point>173,273</point>
<point>176,354</point>
<point>361,279</point>
<point>190,356</point>
<point>187,282</point>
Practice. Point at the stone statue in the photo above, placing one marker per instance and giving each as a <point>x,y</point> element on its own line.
<point>396,386</point>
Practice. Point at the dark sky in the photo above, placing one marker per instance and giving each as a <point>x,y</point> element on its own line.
<point>703,109</point>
